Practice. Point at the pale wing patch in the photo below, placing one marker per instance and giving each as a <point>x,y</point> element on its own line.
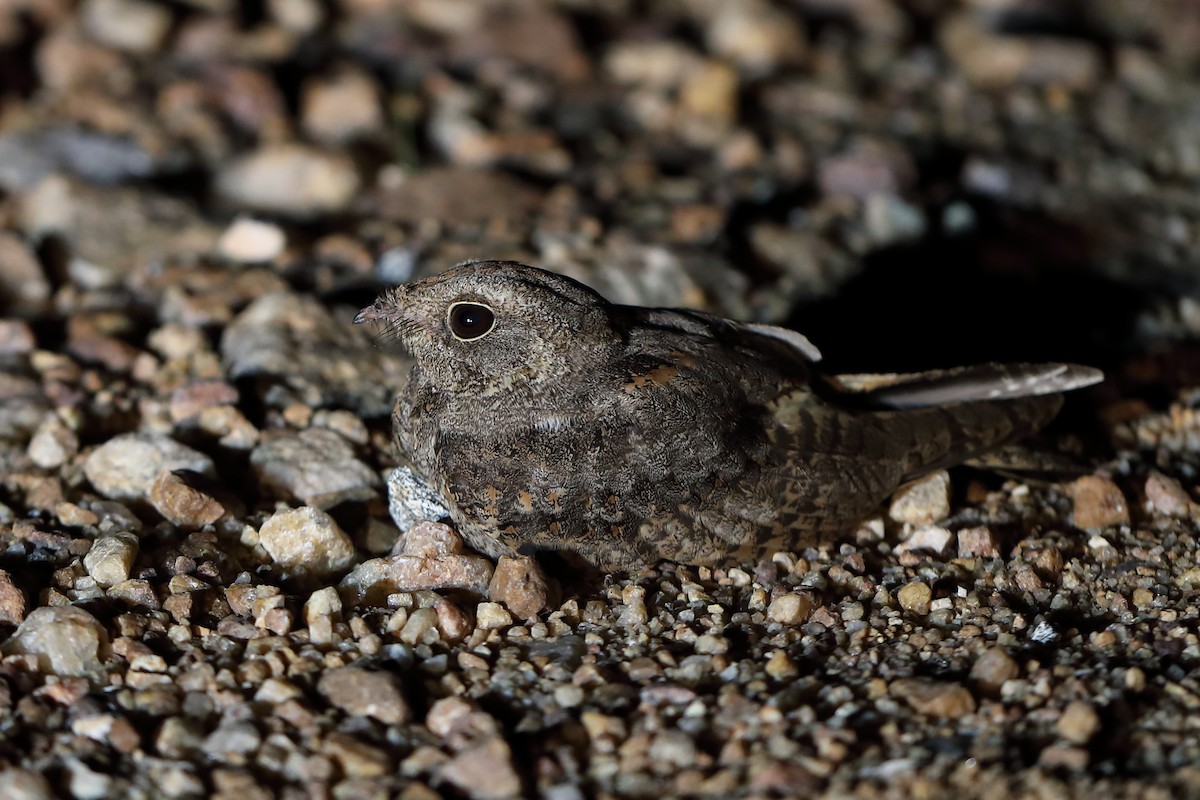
<point>797,341</point>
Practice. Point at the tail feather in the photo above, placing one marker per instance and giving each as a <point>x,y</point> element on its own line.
<point>986,382</point>
<point>947,435</point>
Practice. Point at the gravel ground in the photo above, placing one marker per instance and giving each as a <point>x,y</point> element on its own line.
<point>202,591</point>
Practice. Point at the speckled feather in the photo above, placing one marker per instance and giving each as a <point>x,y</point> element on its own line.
<point>630,435</point>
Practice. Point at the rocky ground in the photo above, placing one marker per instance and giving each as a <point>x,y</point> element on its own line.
<point>202,593</point>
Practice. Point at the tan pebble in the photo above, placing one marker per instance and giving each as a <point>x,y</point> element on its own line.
<point>520,584</point>
<point>790,609</point>
<point>992,668</point>
<point>307,539</point>
<point>484,771</point>
<point>934,698</point>
<point>365,693</point>
<point>490,616</point>
<point>1078,723</point>
<point>915,598</point>
<point>180,497</point>
<point>1072,759</point>
<point>1167,496</point>
<point>111,558</point>
<point>420,624</point>
<point>780,667</point>
<point>922,502</point>
<point>430,540</point>
<point>977,543</point>
<point>1098,503</point>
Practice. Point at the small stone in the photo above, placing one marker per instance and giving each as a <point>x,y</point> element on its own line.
<point>491,616</point>
<point>307,539</point>
<point>1056,757</point>
<point>430,540</point>
<point>111,558</point>
<point>1166,496</point>
<point>923,501</point>
<point>633,606</point>
<point>65,639</point>
<point>356,758</point>
<point>992,668</point>
<point>24,784</point>
<point>1099,503</point>
<point>977,543</point>
<point>420,624</point>
<point>915,598</point>
<point>191,400</point>
<point>365,693</point>
<point>451,621</point>
<point>12,600</point>
<point>755,35</point>
<point>375,579</point>
<point>251,241</point>
<point>519,583</point>
<point>22,281</point>
<point>232,742</point>
<point>1079,723</point>
<point>484,771</point>
<point>134,26</point>
<point>342,107</point>
<point>931,539</point>
<point>790,609</point>
<point>53,444</point>
<point>934,698</point>
<point>289,179</point>
<point>186,499</point>
<point>781,667</point>
<point>125,467</point>
<point>315,466</point>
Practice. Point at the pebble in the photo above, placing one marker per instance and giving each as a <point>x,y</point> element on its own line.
<point>307,540</point>
<point>65,639</point>
<point>792,608</point>
<point>53,444</point>
<point>341,107</point>
<point>251,241</point>
<point>1079,722</point>
<point>111,558</point>
<point>365,693</point>
<point>288,179</point>
<point>490,616</point>
<point>12,600</point>
<point>1167,496</point>
<point>25,784</point>
<point>315,466</point>
<point>134,26</point>
<point>978,542</point>
<point>923,501</point>
<point>22,278</point>
<point>992,668</point>
<point>431,557</point>
<point>483,772</point>
<point>126,466</point>
<point>186,499</point>
<point>1098,503</point>
<point>934,698</point>
<point>915,598</point>
<point>519,583</point>
<point>931,539</point>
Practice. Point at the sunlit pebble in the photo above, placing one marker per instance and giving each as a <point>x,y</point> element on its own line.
<point>251,241</point>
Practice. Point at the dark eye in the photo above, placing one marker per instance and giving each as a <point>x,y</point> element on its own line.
<point>471,320</point>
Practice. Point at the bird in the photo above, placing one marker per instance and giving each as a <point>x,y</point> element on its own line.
<point>550,419</point>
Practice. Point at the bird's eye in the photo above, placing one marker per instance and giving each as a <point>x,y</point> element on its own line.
<point>470,321</point>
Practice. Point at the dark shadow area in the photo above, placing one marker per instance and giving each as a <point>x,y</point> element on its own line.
<point>1006,292</point>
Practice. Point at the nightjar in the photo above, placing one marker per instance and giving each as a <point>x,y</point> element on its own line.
<point>551,419</point>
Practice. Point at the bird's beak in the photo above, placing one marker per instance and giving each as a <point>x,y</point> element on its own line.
<point>385,308</point>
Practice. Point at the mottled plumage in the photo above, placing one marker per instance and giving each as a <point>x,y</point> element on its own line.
<point>551,419</point>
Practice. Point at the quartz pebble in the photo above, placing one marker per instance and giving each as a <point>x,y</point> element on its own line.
<point>66,640</point>
<point>111,558</point>
<point>364,693</point>
<point>53,444</point>
<point>790,609</point>
<point>430,557</point>
<point>1099,503</point>
<point>307,539</point>
<point>315,466</point>
<point>519,583</point>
